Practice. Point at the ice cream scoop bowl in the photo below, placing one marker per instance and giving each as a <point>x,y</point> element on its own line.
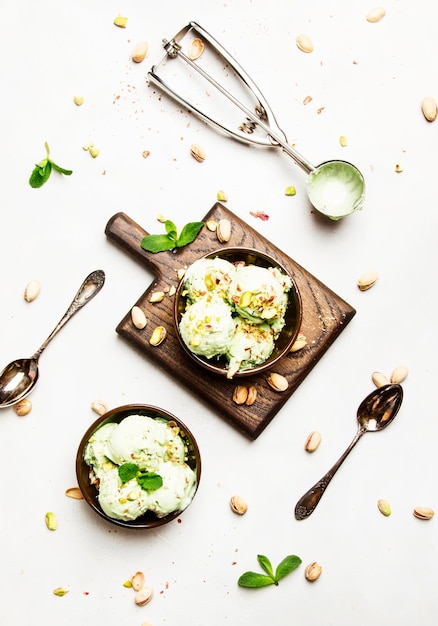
<point>292,316</point>
<point>89,487</point>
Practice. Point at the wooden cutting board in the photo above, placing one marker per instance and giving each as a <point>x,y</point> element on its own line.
<point>325,315</point>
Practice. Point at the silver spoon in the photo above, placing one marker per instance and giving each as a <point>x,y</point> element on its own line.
<point>374,413</point>
<point>19,377</point>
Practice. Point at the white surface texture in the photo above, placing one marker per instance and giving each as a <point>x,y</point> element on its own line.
<point>366,82</point>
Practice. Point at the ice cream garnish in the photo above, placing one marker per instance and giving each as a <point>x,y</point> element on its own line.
<point>172,239</point>
<point>148,481</point>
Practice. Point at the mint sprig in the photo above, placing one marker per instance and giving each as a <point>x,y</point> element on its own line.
<point>255,579</point>
<point>43,169</point>
<point>149,481</point>
<point>171,240</point>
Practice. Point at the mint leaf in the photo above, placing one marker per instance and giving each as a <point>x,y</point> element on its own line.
<point>287,565</point>
<point>254,580</point>
<point>61,170</point>
<point>43,169</point>
<point>157,243</point>
<point>40,174</point>
<point>189,233</point>
<point>149,481</point>
<point>128,471</point>
<point>171,230</point>
<point>265,564</point>
<point>169,241</point>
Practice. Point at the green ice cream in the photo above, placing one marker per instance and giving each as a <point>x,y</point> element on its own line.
<point>251,345</point>
<point>153,446</point>
<point>207,327</point>
<point>233,310</point>
<point>208,277</point>
<point>259,294</point>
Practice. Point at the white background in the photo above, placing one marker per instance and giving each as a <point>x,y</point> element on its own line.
<point>369,79</point>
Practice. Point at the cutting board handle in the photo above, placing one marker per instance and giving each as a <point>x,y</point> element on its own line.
<point>127,234</point>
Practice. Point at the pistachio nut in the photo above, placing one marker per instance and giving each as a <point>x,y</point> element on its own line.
<point>144,596</point>
<point>74,492</point>
<point>384,507</point>
<point>51,521</point>
<point>299,343</point>
<point>196,48</point>
<point>238,505</point>
<point>211,225</point>
<point>157,296</point>
<point>60,591</point>
<point>140,51</point>
<point>423,512</point>
<point>304,43</point>
<point>221,196</point>
<point>32,290</point>
<point>252,395</point>
<point>158,336</point>
<point>367,280</point>
<point>138,581</point>
<point>277,382</point>
<point>99,406</point>
<point>429,108</point>
<point>240,394</point>
<point>120,21</point>
<point>138,317</point>
<point>399,374</point>
<point>312,442</point>
<point>23,407</point>
<point>197,152</point>
<point>376,14</point>
<point>313,571</point>
<point>379,379</point>
<point>223,230</point>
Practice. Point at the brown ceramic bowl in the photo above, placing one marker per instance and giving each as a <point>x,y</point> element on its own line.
<point>90,492</point>
<point>292,318</point>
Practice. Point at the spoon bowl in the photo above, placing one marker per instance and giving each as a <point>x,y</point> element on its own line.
<point>19,377</point>
<point>375,413</point>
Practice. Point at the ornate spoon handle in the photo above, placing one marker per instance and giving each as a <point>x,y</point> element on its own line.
<point>308,502</point>
<point>89,288</point>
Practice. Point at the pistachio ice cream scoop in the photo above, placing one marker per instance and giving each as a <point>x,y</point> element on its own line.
<point>207,277</point>
<point>139,465</point>
<point>251,345</point>
<point>207,327</point>
<point>259,294</point>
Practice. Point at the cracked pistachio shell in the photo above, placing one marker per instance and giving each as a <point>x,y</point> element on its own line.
<point>138,581</point>
<point>379,379</point>
<point>238,505</point>
<point>376,14</point>
<point>399,374</point>
<point>312,442</point>
<point>313,571</point>
<point>139,51</point>
<point>304,43</point>
<point>423,512</point>
<point>143,596</point>
<point>367,280</point>
<point>429,108</point>
<point>32,290</point>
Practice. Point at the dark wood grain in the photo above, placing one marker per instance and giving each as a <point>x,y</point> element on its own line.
<point>325,315</point>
